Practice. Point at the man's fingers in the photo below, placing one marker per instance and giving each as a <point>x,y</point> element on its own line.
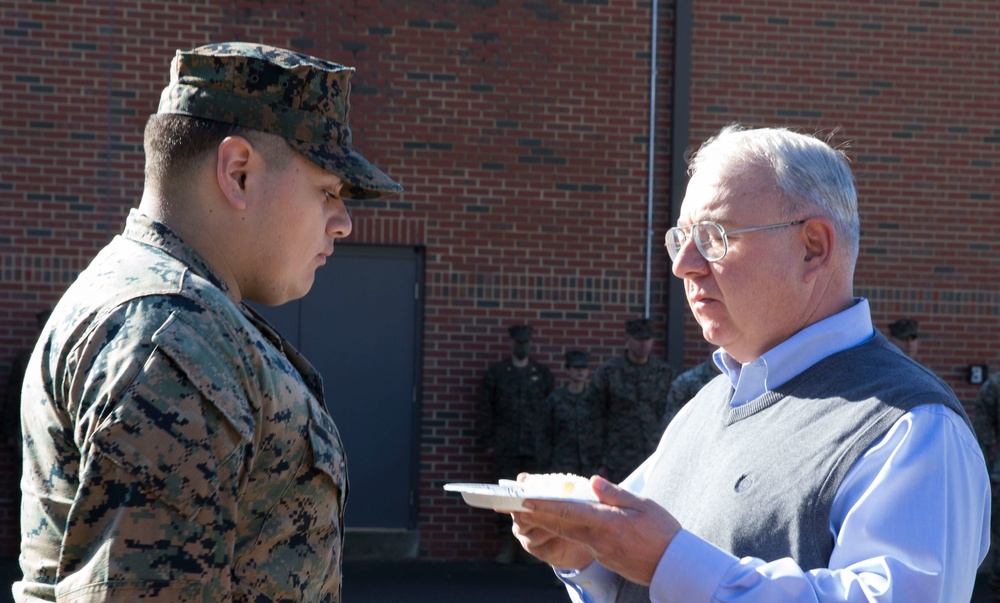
<point>566,520</point>
<point>612,495</point>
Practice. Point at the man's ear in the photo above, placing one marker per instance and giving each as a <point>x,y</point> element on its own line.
<point>232,168</point>
<point>819,238</point>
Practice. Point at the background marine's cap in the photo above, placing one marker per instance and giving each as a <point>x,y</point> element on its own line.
<point>904,328</point>
<point>297,96</point>
<point>577,358</point>
<point>639,328</point>
<point>520,332</point>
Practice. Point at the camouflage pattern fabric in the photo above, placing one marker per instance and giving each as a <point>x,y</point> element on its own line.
<point>686,385</point>
<point>634,402</point>
<point>507,466</point>
<point>176,447</point>
<point>302,98</point>
<point>986,421</point>
<point>10,416</point>
<point>510,408</point>
<point>572,432</point>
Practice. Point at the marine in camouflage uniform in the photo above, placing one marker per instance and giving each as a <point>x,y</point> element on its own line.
<point>572,427</point>
<point>510,409</point>
<point>633,391</point>
<point>10,415</point>
<point>686,385</point>
<point>905,333</point>
<point>986,421</point>
<point>510,414</point>
<point>177,448</point>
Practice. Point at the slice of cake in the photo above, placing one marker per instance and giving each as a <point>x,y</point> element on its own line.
<point>558,485</point>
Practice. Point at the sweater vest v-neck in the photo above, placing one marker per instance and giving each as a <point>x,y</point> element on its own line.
<point>759,479</point>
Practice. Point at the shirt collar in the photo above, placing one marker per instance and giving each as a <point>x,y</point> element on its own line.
<point>775,367</point>
<point>143,229</point>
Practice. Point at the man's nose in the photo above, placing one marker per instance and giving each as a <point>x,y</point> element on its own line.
<point>688,259</point>
<point>339,225</point>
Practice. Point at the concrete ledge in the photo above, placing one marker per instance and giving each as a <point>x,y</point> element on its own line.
<point>378,544</point>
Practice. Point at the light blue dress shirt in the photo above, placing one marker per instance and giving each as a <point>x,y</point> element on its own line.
<point>910,521</point>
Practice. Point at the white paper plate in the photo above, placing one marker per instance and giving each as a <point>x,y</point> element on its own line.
<point>505,497</point>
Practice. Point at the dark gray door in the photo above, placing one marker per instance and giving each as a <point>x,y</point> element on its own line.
<point>360,326</point>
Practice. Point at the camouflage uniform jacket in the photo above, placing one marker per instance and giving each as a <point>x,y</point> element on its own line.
<point>686,385</point>
<point>634,402</point>
<point>176,447</point>
<point>986,420</point>
<point>510,407</point>
<point>573,432</point>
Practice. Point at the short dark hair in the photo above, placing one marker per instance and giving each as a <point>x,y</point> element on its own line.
<point>175,144</point>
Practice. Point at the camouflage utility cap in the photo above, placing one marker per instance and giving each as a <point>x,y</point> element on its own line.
<point>639,328</point>
<point>905,328</point>
<point>302,98</point>
<point>577,359</point>
<point>520,332</point>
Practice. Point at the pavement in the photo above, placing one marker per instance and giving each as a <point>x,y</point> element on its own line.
<point>416,581</point>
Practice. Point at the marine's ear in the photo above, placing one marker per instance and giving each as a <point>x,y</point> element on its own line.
<point>233,162</point>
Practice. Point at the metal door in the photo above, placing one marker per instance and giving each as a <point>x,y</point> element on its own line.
<point>361,326</point>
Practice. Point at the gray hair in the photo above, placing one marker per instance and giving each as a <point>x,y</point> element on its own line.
<point>812,175</point>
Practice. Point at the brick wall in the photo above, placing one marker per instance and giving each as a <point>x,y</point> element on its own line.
<point>519,130</point>
<point>910,87</point>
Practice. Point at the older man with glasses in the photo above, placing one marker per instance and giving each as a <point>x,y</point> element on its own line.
<point>710,238</point>
<point>822,464</point>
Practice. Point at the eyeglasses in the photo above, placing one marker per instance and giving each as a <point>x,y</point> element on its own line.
<point>711,239</point>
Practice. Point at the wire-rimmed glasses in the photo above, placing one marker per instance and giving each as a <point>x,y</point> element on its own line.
<point>710,238</point>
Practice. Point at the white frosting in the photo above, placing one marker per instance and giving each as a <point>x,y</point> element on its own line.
<point>558,485</point>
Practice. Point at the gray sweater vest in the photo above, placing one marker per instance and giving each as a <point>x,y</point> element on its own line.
<point>759,480</point>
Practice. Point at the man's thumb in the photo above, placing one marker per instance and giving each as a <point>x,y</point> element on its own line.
<point>608,493</point>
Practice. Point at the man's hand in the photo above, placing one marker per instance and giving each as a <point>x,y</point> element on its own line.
<point>625,533</point>
<point>549,547</point>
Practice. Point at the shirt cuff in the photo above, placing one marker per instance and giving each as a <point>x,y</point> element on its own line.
<point>592,584</point>
<point>691,569</point>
